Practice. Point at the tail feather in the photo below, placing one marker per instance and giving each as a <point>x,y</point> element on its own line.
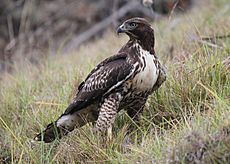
<point>51,133</point>
<point>61,127</point>
<point>65,124</point>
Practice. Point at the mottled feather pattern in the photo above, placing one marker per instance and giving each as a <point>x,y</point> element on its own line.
<point>97,80</point>
<point>122,81</point>
<point>107,75</point>
<point>148,70</point>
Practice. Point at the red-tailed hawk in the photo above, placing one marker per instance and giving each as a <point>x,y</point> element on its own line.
<point>122,81</point>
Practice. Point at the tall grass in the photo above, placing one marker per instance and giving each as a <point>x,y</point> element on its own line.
<point>186,120</point>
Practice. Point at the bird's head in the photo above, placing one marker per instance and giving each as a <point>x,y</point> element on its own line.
<point>138,29</point>
<point>135,27</point>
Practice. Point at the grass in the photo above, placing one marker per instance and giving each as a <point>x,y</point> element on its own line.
<point>186,121</point>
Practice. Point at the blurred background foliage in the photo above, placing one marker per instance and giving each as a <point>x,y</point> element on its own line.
<point>33,29</point>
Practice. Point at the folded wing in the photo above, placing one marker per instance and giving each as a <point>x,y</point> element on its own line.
<point>106,76</point>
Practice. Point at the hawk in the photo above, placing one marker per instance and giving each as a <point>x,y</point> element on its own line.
<point>122,81</point>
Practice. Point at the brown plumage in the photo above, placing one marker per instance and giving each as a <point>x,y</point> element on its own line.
<point>122,81</point>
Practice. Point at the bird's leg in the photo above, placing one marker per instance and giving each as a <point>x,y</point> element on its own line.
<point>109,133</point>
<point>107,113</point>
<point>134,114</point>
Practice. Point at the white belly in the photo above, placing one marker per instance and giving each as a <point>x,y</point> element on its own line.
<point>147,77</point>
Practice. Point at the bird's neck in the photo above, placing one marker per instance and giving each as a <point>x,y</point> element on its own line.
<point>146,41</point>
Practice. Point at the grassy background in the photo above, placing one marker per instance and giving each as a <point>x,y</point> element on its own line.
<point>186,120</point>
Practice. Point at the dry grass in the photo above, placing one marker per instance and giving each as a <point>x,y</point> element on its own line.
<point>186,121</point>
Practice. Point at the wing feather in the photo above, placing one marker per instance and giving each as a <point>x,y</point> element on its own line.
<point>106,76</point>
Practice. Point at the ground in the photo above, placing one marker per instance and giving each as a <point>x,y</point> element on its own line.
<point>186,121</point>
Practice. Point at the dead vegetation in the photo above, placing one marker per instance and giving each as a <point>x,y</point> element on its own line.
<point>186,121</point>
<point>37,29</point>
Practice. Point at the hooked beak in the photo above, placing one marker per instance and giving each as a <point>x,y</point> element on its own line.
<point>121,29</point>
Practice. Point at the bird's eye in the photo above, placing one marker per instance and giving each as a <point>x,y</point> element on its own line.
<point>133,24</point>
